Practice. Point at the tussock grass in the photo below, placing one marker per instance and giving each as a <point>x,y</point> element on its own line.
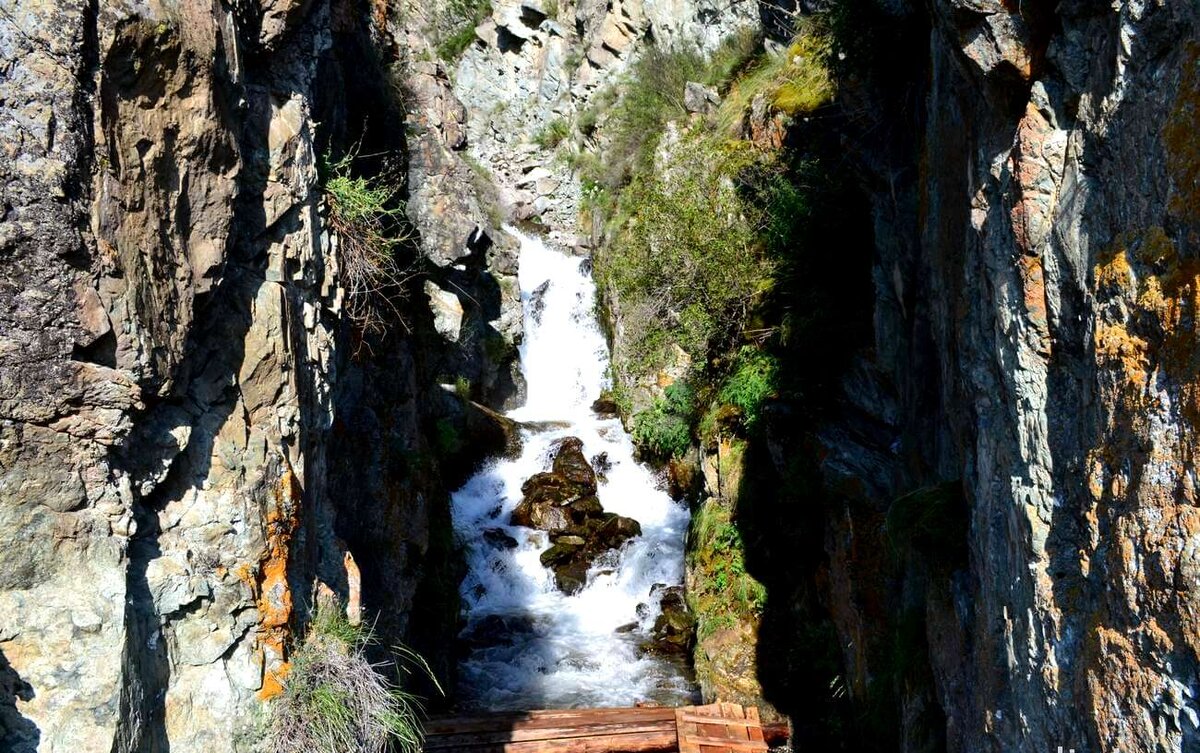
<point>552,134</point>
<point>460,17</point>
<point>336,701</point>
<point>368,220</point>
<point>796,82</point>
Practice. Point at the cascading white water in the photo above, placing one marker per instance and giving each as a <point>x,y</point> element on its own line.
<point>561,651</point>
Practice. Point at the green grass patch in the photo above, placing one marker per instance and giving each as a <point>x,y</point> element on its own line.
<point>723,593</point>
<point>367,216</point>
<point>460,17</point>
<point>335,701</point>
<point>796,81</point>
<point>553,133</point>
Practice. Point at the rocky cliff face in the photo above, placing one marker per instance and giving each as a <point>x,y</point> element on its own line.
<point>192,435</point>
<point>1000,535</point>
<point>1034,340</point>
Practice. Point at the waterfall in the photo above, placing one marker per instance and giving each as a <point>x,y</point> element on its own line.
<point>531,645</point>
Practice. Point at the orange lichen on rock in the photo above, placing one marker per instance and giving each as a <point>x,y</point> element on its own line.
<point>272,590</point>
<point>1157,294</point>
<point>272,681</point>
<point>1033,282</point>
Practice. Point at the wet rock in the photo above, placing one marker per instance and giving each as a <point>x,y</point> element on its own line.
<point>537,301</point>
<point>497,630</point>
<point>562,552</point>
<point>571,464</point>
<point>543,515</point>
<point>563,502</point>
<point>499,539</point>
<point>675,628</point>
<point>583,509</point>
<point>628,627</point>
<point>617,530</point>
<point>605,406</point>
<point>568,540</point>
<point>571,578</point>
<point>602,465</point>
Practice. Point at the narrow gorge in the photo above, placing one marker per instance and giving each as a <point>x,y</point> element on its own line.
<point>363,361</point>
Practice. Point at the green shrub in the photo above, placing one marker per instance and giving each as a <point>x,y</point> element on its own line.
<point>334,700</point>
<point>367,217</point>
<point>665,430</point>
<point>460,17</point>
<point>552,134</point>
<point>689,262</point>
<point>754,380</point>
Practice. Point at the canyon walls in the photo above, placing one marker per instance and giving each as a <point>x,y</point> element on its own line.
<point>194,433</point>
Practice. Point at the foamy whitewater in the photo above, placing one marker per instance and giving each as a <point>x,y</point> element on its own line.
<point>565,651</point>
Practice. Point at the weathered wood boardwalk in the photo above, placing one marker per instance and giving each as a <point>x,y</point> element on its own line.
<point>715,728</point>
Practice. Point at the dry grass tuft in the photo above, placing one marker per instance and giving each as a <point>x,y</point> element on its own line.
<point>367,219</point>
<point>336,701</point>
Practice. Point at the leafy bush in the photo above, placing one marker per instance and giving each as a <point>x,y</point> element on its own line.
<point>666,428</point>
<point>689,263</point>
<point>334,700</point>
<point>368,220</point>
<point>754,381</point>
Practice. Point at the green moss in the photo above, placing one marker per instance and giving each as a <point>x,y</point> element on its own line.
<point>723,593</point>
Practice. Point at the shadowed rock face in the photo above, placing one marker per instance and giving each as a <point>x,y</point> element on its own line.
<point>191,435</point>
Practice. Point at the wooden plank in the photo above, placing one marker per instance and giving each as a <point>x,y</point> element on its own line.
<point>724,743</point>
<point>545,733</point>
<point>662,742</point>
<point>530,719</point>
<point>719,728</point>
<point>755,729</point>
<point>722,721</point>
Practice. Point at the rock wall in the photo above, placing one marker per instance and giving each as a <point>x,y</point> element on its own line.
<point>192,435</point>
<point>1034,340</point>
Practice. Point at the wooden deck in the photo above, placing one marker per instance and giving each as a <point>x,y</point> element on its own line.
<point>715,728</point>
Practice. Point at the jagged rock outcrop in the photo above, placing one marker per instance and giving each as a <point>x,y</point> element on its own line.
<point>562,502</point>
<point>1036,284</point>
<point>191,434</point>
<point>529,72</point>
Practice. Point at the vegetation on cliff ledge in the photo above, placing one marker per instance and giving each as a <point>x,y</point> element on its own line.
<point>336,701</point>
<point>367,218</point>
